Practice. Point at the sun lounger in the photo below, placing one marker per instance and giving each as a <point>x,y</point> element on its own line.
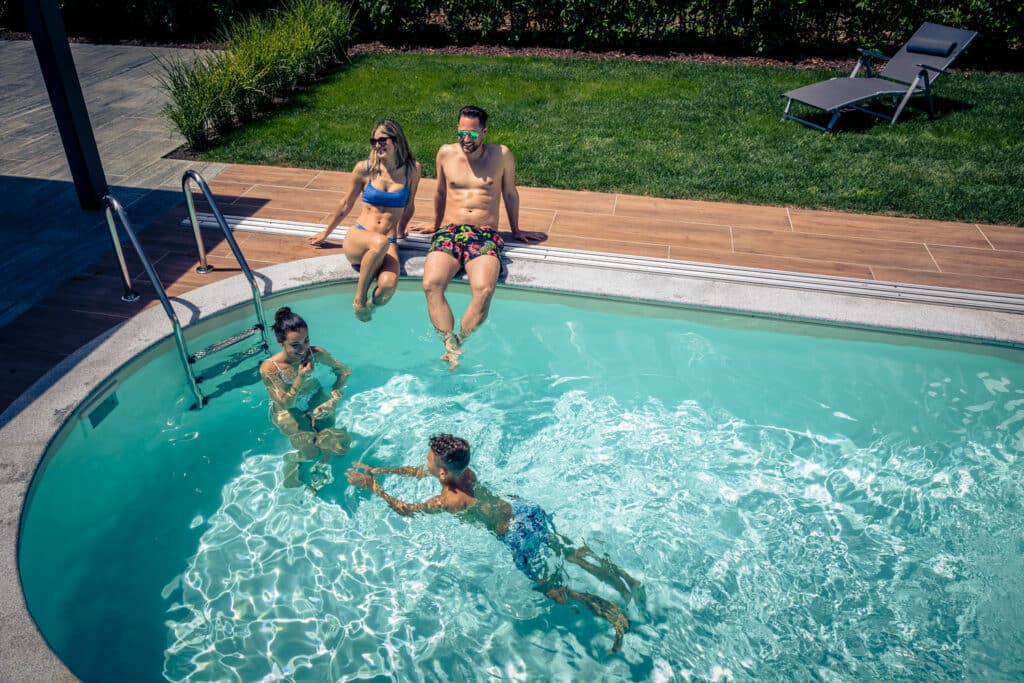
<point>911,71</point>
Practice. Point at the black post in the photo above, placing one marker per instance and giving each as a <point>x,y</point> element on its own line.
<point>54,53</point>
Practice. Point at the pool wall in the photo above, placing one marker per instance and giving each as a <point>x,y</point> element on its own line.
<point>32,423</point>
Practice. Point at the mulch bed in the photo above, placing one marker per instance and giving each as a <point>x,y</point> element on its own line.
<point>501,51</point>
<point>558,53</point>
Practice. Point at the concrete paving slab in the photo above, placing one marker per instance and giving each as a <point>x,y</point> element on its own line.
<point>124,100</point>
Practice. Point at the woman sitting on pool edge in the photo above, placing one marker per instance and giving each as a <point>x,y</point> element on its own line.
<point>523,527</point>
<point>387,180</point>
<point>299,406</point>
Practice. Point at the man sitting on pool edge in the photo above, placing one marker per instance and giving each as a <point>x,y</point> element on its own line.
<point>525,529</point>
<point>472,180</point>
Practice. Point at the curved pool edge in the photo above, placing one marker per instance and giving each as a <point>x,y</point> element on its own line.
<point>29,425</point>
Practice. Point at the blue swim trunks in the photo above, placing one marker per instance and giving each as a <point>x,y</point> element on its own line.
<point>527,538</point>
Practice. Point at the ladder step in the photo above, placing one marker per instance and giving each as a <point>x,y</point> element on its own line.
<point>230,341</point>
<point>218,369</point>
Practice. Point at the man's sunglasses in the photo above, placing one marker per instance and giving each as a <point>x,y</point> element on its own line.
<point>379,141</point>
<point>471,134</point>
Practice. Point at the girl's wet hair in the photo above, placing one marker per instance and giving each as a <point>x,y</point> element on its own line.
<point>403,155</point>
<point>452,451</point>
<point>285,321</point>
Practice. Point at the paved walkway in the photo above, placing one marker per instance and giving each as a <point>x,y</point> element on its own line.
<point>46,236</point>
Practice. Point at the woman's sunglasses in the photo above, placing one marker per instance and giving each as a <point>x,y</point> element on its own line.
<point>379,141</point>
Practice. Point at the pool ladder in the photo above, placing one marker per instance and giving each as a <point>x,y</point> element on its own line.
<point>113,207</point>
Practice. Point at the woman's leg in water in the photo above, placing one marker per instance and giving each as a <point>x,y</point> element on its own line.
<point>290,423</point>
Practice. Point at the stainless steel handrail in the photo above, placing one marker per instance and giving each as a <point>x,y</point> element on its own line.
<point>204,267</point>
<point>110,207</point>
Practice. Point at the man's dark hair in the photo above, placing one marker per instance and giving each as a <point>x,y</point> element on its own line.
<point>472,112</point>
<point>452,451</point>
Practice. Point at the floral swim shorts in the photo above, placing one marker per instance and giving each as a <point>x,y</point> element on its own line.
<point>528,536</point>
<point>466,242</point>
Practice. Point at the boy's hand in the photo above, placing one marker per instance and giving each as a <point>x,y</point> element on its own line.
<point>363,466</point>
<point>361,480</point>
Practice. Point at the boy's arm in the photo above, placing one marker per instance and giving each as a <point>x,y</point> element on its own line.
<point>365,481</point>
<point>418,472</point>
<point>407,509</point>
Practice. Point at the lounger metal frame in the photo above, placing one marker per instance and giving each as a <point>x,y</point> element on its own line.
<point>922,83</point>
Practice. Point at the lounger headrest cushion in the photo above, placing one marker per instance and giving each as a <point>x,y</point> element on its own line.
<point>931,46</point>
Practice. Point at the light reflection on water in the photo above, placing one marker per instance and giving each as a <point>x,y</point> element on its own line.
<point>764,552</point>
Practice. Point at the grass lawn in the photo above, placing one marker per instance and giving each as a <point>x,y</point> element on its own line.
<point>669,130</point>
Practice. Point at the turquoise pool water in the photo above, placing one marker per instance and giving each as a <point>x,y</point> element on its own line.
<point>800,502</point>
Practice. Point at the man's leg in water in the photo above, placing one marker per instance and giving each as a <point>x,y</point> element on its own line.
<point>438,270</point>
<point>599,606</point>
<point>604,570</point>
<point>483,274</point>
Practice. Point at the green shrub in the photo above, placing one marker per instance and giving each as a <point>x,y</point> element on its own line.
<point>191,99</point>
<point>264,58</point>
<point>776,28</point>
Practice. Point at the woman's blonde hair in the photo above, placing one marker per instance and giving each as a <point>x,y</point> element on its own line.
<point>403,155</point>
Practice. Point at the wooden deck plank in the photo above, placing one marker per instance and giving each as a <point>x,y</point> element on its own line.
<point>983,262</point>
<point>269,175</point>
<point>784,263</point>
<point>684,210</point>
<point>888,228</point>
<point>1005,237</point>
<point>645,230</point>
<point>831,248</point>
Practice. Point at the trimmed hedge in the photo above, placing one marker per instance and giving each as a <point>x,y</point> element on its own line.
<point>776,28</point>
<point>264,59</point>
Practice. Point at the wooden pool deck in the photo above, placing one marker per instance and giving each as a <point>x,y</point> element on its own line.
<point>878,248</point>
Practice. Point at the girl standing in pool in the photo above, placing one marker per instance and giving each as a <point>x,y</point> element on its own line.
<point>387,183</point>
<point>300,407</point>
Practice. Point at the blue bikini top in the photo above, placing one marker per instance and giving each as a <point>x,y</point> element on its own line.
<point>386,200</point>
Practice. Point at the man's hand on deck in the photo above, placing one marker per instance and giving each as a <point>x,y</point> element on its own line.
<point>529,237</point>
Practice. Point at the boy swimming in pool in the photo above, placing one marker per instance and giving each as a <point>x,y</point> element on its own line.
<point>525,529</point>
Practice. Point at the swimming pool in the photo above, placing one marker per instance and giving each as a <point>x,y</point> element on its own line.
<point>799,501</point>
